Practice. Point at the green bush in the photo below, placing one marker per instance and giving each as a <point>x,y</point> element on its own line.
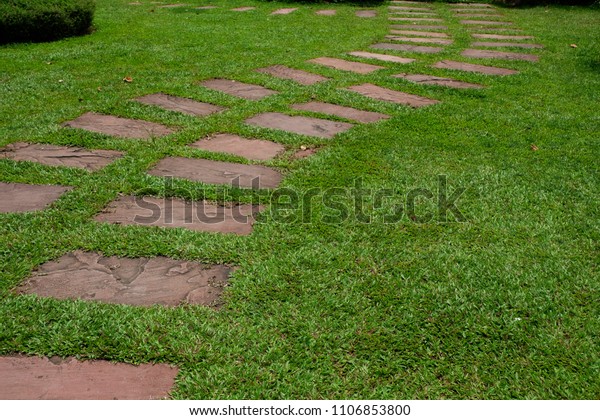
<point>44,20</point>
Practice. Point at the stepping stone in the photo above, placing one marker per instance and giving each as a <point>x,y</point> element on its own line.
<point>506,44</point>
<point>475,68</point>
<point>482,5</point>
<point>421,33</point>
<point>341,111</point>
<point>339,64</point>
<point>501,37</point>
<point>242,9</point>
<point>473,10</point>
<point>170,6</point>
<point>485,22</point>
<point>40,378</point>
<point>128,281</point>
<point>284,11</point>
<point>252,149</point>
<point>382,57</point>
<point>408,8</point>
<point>326,12</point>
<point>499,54</point>
<point>366,13</point>
<point>420,3</point>
<point>239,89</point>
<point>408,19</point>
<point>299,125</point>
<point>117,126</point>
<point>221,173</point>
<point>388,95</point>
<point>172,212</point>
<point>20,198</point>
<point>422,40</point>
<point>479,15</point>
<point>413,26</point>
<point>49,154</point>
<point>177,104</point>
<point>299,76</point>
<point>425,79</point>
<point>406,47</point>
<point>408,13</point>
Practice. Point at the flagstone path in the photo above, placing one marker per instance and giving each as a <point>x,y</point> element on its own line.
<point>117,126</point>
<point>253,149</point>
<point>19,198</point>
<point>183,105</point>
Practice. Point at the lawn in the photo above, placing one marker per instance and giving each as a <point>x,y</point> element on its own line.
<point>504,303</point>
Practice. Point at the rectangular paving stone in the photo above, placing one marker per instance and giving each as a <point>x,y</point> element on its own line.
<point>382,57</point>
<point>501,37</point>
<point>409,8</point>
<point>406,47</point>
<point>409,26</point>
<point>40,378</point>
<point>341,111</point>
<point>52,155</point>
<point>415,19</point>
<point>199,216</point>
<point>499,54</point>
<point>474,10</point>
<point>243,9</point>
<point>214,172</point>
<point>128,281</point>
<point>485,22</point>
<point>411,13</point>
<point>117,126</point>
<point>19,198</point>
<point>426,79</point>
<point>284,11</point>
<point>326,12</point>
<point>299,125</point>
<point>253,149</point>
<point>339,64</point>
<point>475,68</point>
<point>239,89</point>
<point>438,41</point>
<point>299,76</point>
<point>366,13</point>
<point>177,104</point>
<point>421,33</point>
<point>388,95</point>
<point>506,44</point>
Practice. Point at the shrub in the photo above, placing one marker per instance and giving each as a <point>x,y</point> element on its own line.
<point>44,20</point>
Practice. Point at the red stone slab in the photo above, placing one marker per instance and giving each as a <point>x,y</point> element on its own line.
<point>52,155</point>
<point>233,144</point>
<point>475,68</point>
<point>128,281</point>
<point>198,216</point>
<point>177,104</point>
<point>501,37</point>
<point>421,33</point>
<point>366,13</point>
<point>299,76</point>
<point>438,41</point>
<point>327,12</point>
<point>239,89</point>
<point>382,57</point>
<point>409,26</point>
<point>410,19</point>
<point>215,172</point>
<point>339,64</point>
<point>40,378</point>
<point>243,9</point>
<point>299,125</point>
<point>341,111</point>
<point>405,47</point>
<point>117,126</point>
<point>426,79</point>
<point>506,44</point>
<point>388,95</point>
<point>408,8</point>
<point>19,198</point>
<point>284,11</point>
<point>485,22</point>
<point>499,54</point>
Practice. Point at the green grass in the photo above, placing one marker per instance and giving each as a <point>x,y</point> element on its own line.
<point>505,305</point>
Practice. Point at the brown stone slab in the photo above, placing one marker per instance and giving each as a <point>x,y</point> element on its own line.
<point>485,22</point>
<point>499,54</point>
<point>475,68</point>
<point>409,8</point>
<point>426,79</point>
<point>366,13</point>
<point>438,41</point>
<point>243,9</point>
<point>233,144</point>
<point>501,37</point>
<point>388,95</point>
<point>300,125</point>
<point>220,173</point>
<point>52,155</point>
<point>327,12</point>
<point>198,216</point>
<point>239,89</point>
<point>410,13</point>
<point>421,33</point>
<point>339,64</point>
<point>409,26</point>
<point>410,19</point>
<point>20,198</point>
<point>382,57</point>
<point>479,15</point>
<point>117,126</point>
<point>506,44</point>
<point>40,378</point>
<point>128,281</point>
<point>299,76</point>
<point>341,111</point>
<point>177,104</point>
<point>406,47</point>
<point>284,11</point>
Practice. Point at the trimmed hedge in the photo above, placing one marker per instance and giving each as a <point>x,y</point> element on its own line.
<point>44,20</point>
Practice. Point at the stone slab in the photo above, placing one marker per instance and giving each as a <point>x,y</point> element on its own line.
<point>339,64</point>
<point>420,33</point>
<point>409,26</point>
<point>401,2</point>
<point>117,126</point>
<point>501,37</point>
<point>475,68</point>
<point>415,19</point>
<point>473,10</point>
<point>506,44</point>
<point>243,9</point>
<point>128,281</point>
<point>177,104</point>
<point>239,89</point>
<point>406,47</point>
<point>52,155</point>
<point>382,57</point>
<point>233,144</point>
<point>476,5</point>
<point>388,95</point>
<point>411,13</point>
<point>299,125</point>
<point>198,216</point>
<point>426,79</point>
<point>366,13</point>
<point>438,41</point>
<point>171,6</point>
<point>215,172</point>
<point>40,378</point>
<point>479,15</point>
<point>409,8</point>
<point>327,12</point>
<point>499,55</point>
<point>19,198</point>
<point>485,22</point>
<point>285,11</point>
<point>299,76</point>
<point>341,111</point>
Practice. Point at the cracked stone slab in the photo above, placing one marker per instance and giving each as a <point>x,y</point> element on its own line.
<point>200,216</point>
<point>438,41</point>
<point>243,9</point>
<point>506,44</point>
<point>128,281</point>
<point>117,126</point>
<point>52,155</point>
<point>366,13</point>
<point>383,94</point>
<point>485,22</point>
<point>177,104</point>
<point>339,64</point>
<point>20,198</point>
<point>409,19</point>
<point>214,172</point>
<point>341,111</point>
<point>382,57</point>
<point>409,26</point>
<point>327,12</point>
<point>239,89</point>
<point>502,37</point>
<point>406,47</point>
<point>316,127</point>
<point>286,11</point>
<point>233,144</point>
<point>299,76</point>
<point>420,33</point>
<point>426,79</point>
<point>40,378</point>
<point>475,68</point>
<point>499,54</point>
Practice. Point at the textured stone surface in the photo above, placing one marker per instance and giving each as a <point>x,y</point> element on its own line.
<point>501,37</point>
<point>40,378</point>
<point>239,89</point>
<point>177,104</point>
<point>300,125</point>
<point>366,13</point>
<point>388,95</point>
<point>438,41</point>
<point>286,11</point>
<point>476,68</point>
<point>382,57</point>
<point>19,198</point>
<point>420,33</point>
<point>341,111</point>
<point>299,76</point>
<point>485,22</point>
<point>506,44</point>
<point>499,54</point>
<point>415,19</point>
<point>117,126</point>
<point>327,12</point>
<point>233,144</point>
<point>339,64</point>
<point>409,26</point>
<point>406,47</point>
<point>426,79</point>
